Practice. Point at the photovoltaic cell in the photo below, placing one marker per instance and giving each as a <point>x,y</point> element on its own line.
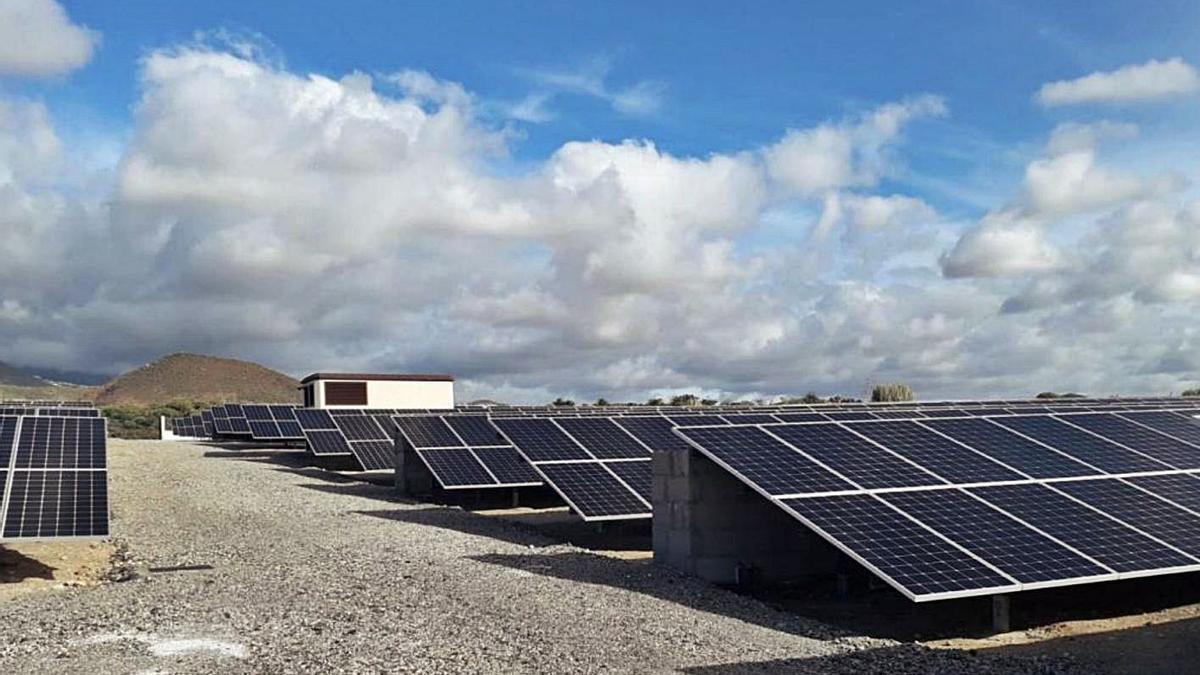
<point>750,418</point>
<point>603,438</point>
<point>801,417</point>
<point>913,557</point>
<point>858,460</point>
<point>1016,451</point>
<point>1081,445</point>
<point>1020,552</point>
<point>765,461</point>
<point>1160,447</point>
<point>1100,537</point>
<point>540,440</point>
<point>696,420</point>
<point>594,492</point>
<point>935,453</point>
<point>256,412</point>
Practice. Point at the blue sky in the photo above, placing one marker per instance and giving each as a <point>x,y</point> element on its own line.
<point>789,185</point>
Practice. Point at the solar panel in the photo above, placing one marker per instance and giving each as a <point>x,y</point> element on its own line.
<point>261,430</point>
<point>540,439</point>
<point>859,461</point>
<point>1182,489</point>
<point>257,412</point>
<point>936,453</point>
<point>310,419</point>
<point>374,455</point>
<point>1017,550</point>
<point>1081,445</point>
<point>327,442</point>
<point>896,548</point>
<point>1155,517</point>
<point>1006,446</point>
<point>507,465</point>
<point>361,428</point>
<point>764,461</point>
<point>603,438</point>
<point>655,432</point>
<point>592,491</point>
<point>51,504</point>
<point>1179,426</point>
<point>750,418</point>
<point>52,472</point>
<point>427,432</point>
<point>456,467</point>
<point>1148,442</point>
<point>474,429</point>
<point>1102,538</point>
<point>839,416</point>
<point>636,474</point>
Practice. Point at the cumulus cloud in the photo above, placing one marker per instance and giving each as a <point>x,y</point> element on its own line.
<point>38,39</point>
<point>316,222</point>
<point>1149,81</point>
<point>840,155</point>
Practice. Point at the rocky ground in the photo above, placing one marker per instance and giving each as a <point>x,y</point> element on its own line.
<point>247,561</point>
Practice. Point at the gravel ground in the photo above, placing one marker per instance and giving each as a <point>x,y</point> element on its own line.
<point>312,572</point>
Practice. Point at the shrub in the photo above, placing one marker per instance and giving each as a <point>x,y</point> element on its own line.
<point>130,421</point>
<point>892,392</point>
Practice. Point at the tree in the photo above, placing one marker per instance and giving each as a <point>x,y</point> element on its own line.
<point>708,401</point>
<point>892,392</point>
<point>811,397</point>
<point>655,401</point>
<point>601,401</point>
<point>1191,392</point>
<point>562,402</point>
<point>685,400</point>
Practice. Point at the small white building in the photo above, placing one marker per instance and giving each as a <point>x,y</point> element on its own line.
<point>375,390</point>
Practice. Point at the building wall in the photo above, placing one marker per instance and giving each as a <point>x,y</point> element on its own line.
<point>709,524</point>
<point>398,394</point>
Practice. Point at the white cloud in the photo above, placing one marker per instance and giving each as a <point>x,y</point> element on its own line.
<point>839,155</point>
<point>315,222</point>
<point>1152,80</point>
<point>592,79</point>
<point>1001,245</point>
<point>38,39</point>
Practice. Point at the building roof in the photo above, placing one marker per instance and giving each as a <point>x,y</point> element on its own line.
<point>401,377</point>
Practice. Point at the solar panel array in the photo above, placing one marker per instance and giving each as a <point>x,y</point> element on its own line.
<point>463,452</point>
<point>53,477</point>
<point>962,505</point>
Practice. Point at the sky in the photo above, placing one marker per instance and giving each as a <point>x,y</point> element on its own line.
<point>610,199</point>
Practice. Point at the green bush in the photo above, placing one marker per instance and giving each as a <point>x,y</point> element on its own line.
<point>128,421</point>
<point>1191,392</point>
<point>892,392</point>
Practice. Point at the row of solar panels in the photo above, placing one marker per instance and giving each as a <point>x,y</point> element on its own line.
<point>943,508</point>
<point>1040,405</point>
<point>53,411</point>
<point>53,477</point>
<point>16,403</point>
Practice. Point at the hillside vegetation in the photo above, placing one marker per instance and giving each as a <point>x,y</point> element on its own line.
<point>193,377</point>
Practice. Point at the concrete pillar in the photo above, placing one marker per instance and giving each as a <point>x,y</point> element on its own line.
<point>709,524</point>
<point>1001,613</point>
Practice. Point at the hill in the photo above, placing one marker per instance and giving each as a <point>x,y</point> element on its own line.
<point>16,377</point>
<point>193,377</point>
